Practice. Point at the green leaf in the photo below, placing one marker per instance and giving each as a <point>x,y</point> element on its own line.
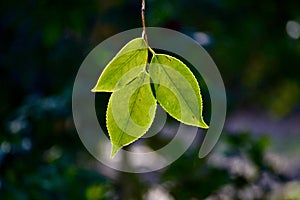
<point>130,112</point>
<point>177,89</point>
<point>133,55</point>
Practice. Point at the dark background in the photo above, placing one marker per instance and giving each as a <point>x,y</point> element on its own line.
<point>256,46</point>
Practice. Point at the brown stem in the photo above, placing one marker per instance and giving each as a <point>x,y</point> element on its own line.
<point>144,35</point>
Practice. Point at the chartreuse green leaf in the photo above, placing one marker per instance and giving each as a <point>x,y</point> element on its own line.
<point>130,112</point>
<point>177,89</point>
<point>132,105</point>
<point>133,55</point>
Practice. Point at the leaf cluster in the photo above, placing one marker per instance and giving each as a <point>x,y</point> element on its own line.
<point>132,105</point>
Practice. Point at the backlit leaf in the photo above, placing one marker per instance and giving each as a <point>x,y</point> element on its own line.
<point>130,112</point>
<point>133,55</point>
<point>177,90</point>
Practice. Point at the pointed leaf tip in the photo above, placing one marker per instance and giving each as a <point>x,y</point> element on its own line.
<point>114,150</point>
<point>133,54</point>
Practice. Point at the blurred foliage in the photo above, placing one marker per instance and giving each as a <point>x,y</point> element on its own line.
<point>42,44</point>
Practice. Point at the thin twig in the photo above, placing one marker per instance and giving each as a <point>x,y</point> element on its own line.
<point>144,34</point>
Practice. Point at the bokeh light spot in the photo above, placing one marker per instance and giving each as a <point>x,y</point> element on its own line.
<point>293,29</point>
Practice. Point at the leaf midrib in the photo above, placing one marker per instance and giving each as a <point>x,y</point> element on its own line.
<point>117,69</point>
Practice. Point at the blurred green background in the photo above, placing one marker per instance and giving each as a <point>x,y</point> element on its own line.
<point>256,46</point>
